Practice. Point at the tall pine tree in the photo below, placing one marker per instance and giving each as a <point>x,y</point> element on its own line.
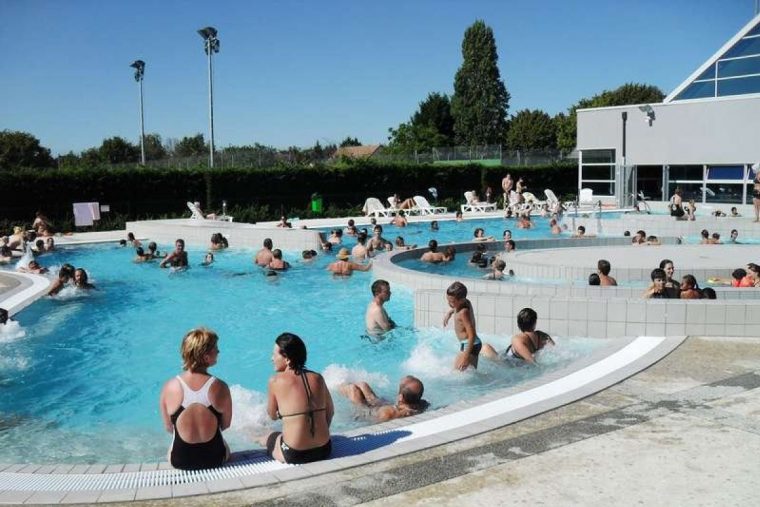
<point>480,102</point>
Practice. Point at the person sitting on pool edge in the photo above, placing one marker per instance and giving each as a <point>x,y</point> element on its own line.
<point>178,258</point>
<point>376,318</point>
<point>525,344</point>
<point>344,267</point>
<point>196,407</point>
<point>464,326</point>
<point>301,399</point>
<point>408,400</point>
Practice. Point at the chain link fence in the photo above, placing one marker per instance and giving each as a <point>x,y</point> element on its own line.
<point>492,155</point>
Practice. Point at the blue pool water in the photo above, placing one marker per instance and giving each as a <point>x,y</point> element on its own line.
<point>79,382</point>
<point>451,231</point>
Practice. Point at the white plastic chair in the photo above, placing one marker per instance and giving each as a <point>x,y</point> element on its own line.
<point>373,207</point>
<point>425,208</point>
<point>472,206</point>
<point>196,211</point>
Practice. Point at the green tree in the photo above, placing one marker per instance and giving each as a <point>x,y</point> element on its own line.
<point>481,101</point>
<point>91,158</point>
<point>531,130</point>
<point>627,94</point>
<point>117,150</point>
<point>435,111</point>
<point>154,148</point>
<point>191,146</point>
<point>350,141</point>
<point>20,149</point>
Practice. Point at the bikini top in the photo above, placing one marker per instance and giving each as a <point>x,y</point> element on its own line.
<point>308,413</point>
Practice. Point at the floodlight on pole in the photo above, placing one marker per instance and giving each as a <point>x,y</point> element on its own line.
<point>211,46</point>
<point>139,67</point>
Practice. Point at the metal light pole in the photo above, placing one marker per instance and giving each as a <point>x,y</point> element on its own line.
<point>139,67</point>
<point>210,45</point>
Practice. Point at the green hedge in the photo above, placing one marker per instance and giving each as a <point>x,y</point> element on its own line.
<point>251,194</point>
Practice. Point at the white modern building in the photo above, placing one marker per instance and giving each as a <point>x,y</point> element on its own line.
<point>704,136</point>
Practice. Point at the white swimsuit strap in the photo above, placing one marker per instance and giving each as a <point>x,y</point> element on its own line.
<point>200,396</point>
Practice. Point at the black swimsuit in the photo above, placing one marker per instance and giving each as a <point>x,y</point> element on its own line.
<point>297,456</point>
<point>200,456</point>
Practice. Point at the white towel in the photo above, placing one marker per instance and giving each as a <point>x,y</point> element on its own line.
<point>85,213</point>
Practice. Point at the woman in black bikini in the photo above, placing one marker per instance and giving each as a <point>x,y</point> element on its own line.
<point>301,399</point>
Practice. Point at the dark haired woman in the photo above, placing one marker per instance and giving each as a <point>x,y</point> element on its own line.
<point>301,399</point>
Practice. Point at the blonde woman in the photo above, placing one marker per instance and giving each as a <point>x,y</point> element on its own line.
<point>196,407</point>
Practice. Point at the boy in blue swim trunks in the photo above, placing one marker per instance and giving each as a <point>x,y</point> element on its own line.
<point>464,326</point>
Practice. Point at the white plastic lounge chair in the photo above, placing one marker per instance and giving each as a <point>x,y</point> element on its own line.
<point>425,208</point>
<point>532,200</point>
<point>471,205</point>
<point>373,207</point>
<point>196,211</point>
<point>197,214</point>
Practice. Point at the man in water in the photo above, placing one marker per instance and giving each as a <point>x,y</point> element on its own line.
<point>264,256</point>
<point>408,401</point>
<point>603,268</point>
<point>360,252</point>
<point>178,258</point>
<point>378,242</point>
<point>433,255</point>
<point>376,318</point>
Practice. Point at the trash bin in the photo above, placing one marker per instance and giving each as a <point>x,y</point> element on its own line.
<point>316,203</point>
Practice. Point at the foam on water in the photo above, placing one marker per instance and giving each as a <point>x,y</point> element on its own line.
<point>11,331</point>
<point>337,374</point>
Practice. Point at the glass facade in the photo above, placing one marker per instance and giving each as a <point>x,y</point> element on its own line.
<point>598,171</point>
<point>735,72</point>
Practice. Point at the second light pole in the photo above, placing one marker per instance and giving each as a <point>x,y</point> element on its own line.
<point>210,45</point>
<point>139,67</point>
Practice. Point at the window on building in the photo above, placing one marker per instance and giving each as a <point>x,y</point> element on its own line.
<point>735,72</point>
<point>598,171</point>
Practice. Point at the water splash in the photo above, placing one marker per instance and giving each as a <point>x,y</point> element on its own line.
<point>11,331</point>
<point>337,374</point>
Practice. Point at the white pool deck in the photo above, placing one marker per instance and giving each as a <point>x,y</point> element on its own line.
<point>682,431</point>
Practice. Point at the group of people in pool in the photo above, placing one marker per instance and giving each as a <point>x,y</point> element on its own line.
<point>196,407</point>
<point>664,286</point>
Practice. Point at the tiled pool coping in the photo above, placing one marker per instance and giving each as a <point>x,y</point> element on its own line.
<point>125,482</point>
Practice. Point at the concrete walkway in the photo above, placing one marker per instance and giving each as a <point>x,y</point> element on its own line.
<point>684,432</point>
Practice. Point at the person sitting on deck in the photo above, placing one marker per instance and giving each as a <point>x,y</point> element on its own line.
<point>196,407</point>
<point>408,400</point>
<point>301,400</point>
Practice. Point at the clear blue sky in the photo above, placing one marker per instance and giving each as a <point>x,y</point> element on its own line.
<point>294,72</point>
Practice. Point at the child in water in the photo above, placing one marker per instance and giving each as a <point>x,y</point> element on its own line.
<point>464,326</point>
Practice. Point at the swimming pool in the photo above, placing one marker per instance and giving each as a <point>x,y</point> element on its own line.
<point>82,384</point>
